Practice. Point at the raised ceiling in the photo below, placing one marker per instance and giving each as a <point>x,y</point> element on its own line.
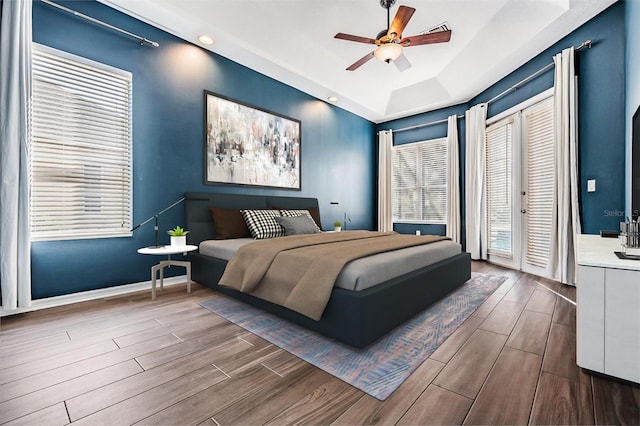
<point>293,42</point>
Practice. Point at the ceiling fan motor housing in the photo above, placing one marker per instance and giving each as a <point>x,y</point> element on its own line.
<point>387,3</point>
<point>382,33</point>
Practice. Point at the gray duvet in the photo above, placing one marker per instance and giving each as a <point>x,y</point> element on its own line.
<point>363,273</point>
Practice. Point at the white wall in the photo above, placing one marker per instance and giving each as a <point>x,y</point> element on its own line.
<point>632,76</point>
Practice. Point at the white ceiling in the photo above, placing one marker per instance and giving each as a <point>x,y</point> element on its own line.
<point>293,42</point>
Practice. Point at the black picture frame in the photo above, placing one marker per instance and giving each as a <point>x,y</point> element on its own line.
<point>246,145</point>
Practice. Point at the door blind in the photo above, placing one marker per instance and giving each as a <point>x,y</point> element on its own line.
<point>538,124</point>
<point>499,140</point>
<point>80,148</point>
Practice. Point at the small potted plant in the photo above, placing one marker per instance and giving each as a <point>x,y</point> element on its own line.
<point>178,236</point>
<point>337,226</point>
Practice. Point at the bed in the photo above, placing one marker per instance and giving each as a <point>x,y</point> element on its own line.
<point>355,316</point>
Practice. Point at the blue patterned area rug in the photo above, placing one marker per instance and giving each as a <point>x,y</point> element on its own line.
<point>382,366</point>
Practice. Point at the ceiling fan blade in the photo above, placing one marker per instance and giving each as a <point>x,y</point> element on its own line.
<point>357,64</point>
<point>355,38</point>
<point>402,63</point>
<point>431,38</point>
<point>400,21</point>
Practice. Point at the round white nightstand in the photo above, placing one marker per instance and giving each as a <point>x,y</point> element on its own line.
<point>168,251</point>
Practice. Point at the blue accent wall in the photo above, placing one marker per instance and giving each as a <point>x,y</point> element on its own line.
<point>601,113</point>
<point>338,148</point>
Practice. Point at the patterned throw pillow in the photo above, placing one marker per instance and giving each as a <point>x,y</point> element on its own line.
<point>262,223</point>
<point>294,213</point>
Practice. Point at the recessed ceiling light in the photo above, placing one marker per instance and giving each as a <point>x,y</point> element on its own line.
<point>205,39</point>
<point>332,99</point>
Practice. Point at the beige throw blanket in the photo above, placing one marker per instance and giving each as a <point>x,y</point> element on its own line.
<point>299,271</point>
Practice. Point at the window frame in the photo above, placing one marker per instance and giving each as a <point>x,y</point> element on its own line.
<point>125,162</point>
<point>417,146</point>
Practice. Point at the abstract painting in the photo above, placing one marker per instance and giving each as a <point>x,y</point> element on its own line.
<point>247,145</point>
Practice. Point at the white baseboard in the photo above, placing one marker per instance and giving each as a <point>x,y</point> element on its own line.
<point>83,296</point>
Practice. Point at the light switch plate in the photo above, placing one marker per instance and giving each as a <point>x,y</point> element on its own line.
<point>591,185</point>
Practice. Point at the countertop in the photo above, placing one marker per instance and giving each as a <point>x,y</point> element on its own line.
<point>593,250</point>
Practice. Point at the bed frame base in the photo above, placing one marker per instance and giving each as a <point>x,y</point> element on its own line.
<point>357,318</point>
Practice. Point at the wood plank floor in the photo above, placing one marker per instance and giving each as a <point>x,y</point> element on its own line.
<point>130,360</point>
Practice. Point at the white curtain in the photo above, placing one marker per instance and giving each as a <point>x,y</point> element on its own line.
<point>15,95</point>
<point>385,141</point>
<point>566,220</point>
<point>476,223</point>
<point>453,180</point>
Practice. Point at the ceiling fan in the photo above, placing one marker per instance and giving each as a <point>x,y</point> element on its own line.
<point>390,41</point>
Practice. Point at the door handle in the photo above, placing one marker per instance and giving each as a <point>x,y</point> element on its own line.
<point>523,210</point>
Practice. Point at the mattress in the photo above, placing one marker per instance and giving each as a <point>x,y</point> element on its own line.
<point>363,273</point>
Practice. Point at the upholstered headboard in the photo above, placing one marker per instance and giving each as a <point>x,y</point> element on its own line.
<point>198,216</point>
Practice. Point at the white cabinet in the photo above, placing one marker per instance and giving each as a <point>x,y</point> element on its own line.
<point>608,309</point>
<point>590,318</point>
<point>622,324</point>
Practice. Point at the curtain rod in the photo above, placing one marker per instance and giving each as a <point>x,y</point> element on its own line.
<point>525,80</point>
<point>430,123</point>
<point>142,40</point>
<point>547,67</point>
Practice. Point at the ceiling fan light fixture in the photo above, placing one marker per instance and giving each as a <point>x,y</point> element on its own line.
<point>388,52</point>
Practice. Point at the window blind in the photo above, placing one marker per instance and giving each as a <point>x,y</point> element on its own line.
<point>499,139</point>
<point>404,182</point>
<point>538,124</point>
<point>419,182</point>
<point>80,148</point>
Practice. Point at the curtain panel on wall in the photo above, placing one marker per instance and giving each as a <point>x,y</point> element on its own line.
<point>453,180</point>
<point>475,167</point>
<point>565,224</point>
<point>15,95</point>
<point>385,142</point>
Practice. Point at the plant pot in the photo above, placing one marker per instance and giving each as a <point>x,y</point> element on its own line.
<point>179,241</point>
<point>337,228</point>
